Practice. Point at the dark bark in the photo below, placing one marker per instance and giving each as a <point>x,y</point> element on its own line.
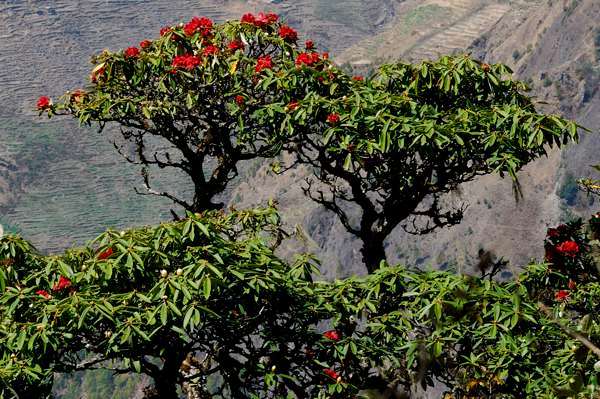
<point>167,379</point>
<point>373,251</point>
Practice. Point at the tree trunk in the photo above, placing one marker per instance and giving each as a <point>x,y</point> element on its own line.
<point>167,380</point>
<point>373,251</point>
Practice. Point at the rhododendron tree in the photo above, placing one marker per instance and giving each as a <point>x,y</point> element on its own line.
<point>204,304</point>
<point>387,148</point>
<point>200,88</point>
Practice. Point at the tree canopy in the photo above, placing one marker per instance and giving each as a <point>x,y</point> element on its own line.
<point>384,148</point>
<point>387,147</point>
<point>257,326</point>
<point>191,100</point>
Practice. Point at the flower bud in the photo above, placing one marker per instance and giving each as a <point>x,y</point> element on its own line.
<point>597,366</point>
<point>164,297</point>
<point>179,272</point>
<point>338,380</point>
<point>164,273</point>
<point>273,368</point>
<point>107,333</point>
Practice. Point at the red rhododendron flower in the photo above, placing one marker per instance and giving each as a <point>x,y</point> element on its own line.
<point>307,59</point>
<point>552,232</point>
<point>43,293</point>
<point>165,30</point>
<point>549,255</point>
<point>62,284</point>
<point>261,20</point>
<point>358,78</point>
<point>44,102</point>
<point>240,100</point>
<point>331,373</point>
<point>333,119</point>
<point>332,335</point>
<point>248,18</point>
<point>105,254</point>
<point>145,43</point>
<point>568,248</point>
<point>235,45</point>
<point>309,44</point>
<point>325,56</point>
<point>131,52</point>
<point>210,50</point>
<point>288,34</point>
<point>186,61</point>
<point>263,63</point>
<point>562,295</point>
<point>202,25</point>
<point>572,284</point>
<point>293,105</point>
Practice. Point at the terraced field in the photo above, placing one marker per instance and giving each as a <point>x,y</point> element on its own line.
<point>460,35</point>
<point>424,29</point>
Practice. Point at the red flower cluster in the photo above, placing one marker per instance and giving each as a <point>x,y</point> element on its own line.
<point>235,45</point>
<point>288,34</point>
<point>552,232</point>
<point>203,25</point>
<point>107,253</point>
<point>210,50</point>
<point>562,295</point>
<point>332,335</point>
<point>331,373</point>
<point>307,59</point>
<point>333,119</point>
<point>43,293</point>
<point>145,43</point>
<point>62,284</point>
<point>568,248</point>
<point>261,20</point>
<point>309,44</point>
<point>186,61</point>
<point>263,63</point>
<point>248,18</point>
<point>358,78</point>
<point>293,105</point>
<point>43,102</point>
<point>131,52</point>
<point>165,30</point>
<point>240,100</point>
